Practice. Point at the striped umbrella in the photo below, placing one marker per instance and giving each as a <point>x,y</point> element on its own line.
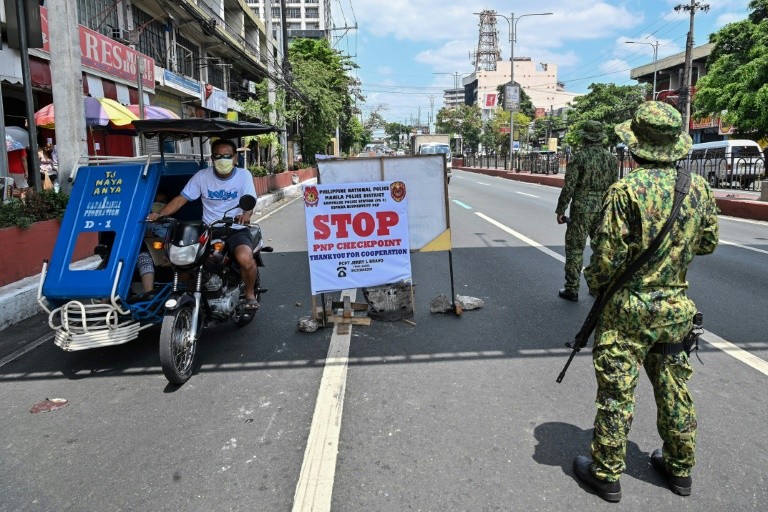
<point>153,112</point>
<point>98,112</point>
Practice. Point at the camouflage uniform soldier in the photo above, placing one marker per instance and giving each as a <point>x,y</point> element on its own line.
<point>590,172</point>
<point>652,308</point>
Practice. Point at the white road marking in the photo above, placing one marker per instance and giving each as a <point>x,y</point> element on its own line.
<point>26,348</point>
<point>522,237</point>
<point>315,485</point>
<point>711,338</point>
<point>484,184</point>
<point>725,242</point>
<point>736,352</point>
<point>524,194</point>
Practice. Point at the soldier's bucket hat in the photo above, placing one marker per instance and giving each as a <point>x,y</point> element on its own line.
<point>655,133</point>
<point>592,131</point>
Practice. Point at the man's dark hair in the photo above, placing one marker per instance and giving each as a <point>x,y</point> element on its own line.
<point>224,142</point>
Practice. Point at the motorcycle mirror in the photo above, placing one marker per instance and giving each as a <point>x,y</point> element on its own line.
<point>247,202</point>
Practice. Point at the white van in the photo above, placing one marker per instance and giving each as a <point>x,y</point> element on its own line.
<point>727,163</point>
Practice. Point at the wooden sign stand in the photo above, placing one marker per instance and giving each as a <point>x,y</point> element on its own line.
<point>344,313</point>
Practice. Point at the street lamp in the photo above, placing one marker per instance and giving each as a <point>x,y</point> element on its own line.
<point>512,21</point>
<point>655,58</point>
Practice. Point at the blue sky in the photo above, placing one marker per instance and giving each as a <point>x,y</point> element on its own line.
<point>409,50</point>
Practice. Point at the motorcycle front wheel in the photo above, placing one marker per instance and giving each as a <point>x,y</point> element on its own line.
<point>178,345</point>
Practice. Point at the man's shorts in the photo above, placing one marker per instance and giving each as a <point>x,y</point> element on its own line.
<point>239,237</point>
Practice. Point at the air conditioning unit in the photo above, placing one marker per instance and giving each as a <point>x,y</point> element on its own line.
<point>118,34</point>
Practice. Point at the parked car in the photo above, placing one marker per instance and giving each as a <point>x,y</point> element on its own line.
<point>727,163</point>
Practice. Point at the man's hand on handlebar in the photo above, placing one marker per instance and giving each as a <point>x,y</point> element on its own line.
<point>153,216</point>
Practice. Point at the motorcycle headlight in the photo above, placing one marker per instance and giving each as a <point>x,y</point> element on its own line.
<point>182,255</point>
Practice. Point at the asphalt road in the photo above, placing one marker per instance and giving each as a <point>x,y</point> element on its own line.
<point>452,413</point>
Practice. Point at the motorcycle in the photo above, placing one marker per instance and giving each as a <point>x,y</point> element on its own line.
<point>215,292</point>
<point>104,304</point>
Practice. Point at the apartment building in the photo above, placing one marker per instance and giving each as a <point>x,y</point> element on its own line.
<point>538,80</point>
<point>304,18</point>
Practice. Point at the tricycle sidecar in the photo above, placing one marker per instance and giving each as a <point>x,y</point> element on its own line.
<point>100,306</point>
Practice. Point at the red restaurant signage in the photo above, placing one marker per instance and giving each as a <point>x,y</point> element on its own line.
<point>106,55</point>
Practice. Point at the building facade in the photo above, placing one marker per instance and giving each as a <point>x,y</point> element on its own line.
<point>669,81</point>
<point>303,18</point>
<point>538,80</point>
<point>194,58</point>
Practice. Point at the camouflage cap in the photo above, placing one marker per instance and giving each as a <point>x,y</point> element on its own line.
<point>655,133</point>
<point>592,131</point>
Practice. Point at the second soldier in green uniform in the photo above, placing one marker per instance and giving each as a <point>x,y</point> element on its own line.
<point>590,172</point>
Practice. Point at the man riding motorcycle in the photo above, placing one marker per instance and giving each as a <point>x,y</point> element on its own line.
<point>220,188</point>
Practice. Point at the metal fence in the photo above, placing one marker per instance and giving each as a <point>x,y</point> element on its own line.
<point>744,173</point>
<point>736,172</point>
<point>544,163</point>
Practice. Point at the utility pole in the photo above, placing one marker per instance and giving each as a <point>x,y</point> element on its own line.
<point>431,111</point>
<point>685,94</point>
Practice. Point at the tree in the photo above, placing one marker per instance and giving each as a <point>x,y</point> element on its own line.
<point>464,120</point>
<point>610,104</point>
<point>355,136</point>
<point>496,134</point>
<point>737,79</point>
<point>320,75</point>
<point>395,131</point>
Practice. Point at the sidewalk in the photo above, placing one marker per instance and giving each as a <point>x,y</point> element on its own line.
<point>735,203</point>
<point>18,301</point>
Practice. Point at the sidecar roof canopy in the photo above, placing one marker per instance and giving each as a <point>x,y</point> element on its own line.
<point>178,129</point>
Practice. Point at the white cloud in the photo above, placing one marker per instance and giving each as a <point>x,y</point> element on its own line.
<point>729,17</point>
<point>618,69</point>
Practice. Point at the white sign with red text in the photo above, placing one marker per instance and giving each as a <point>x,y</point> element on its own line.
<point>357,234</point>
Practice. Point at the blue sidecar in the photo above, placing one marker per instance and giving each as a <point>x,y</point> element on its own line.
<point>101,305</point>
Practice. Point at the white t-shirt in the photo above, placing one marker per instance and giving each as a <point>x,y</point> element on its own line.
<point>219,195</point>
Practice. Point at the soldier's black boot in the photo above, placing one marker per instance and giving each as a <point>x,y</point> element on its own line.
<point>567,294</point>
<point>678,484</point>
<point>609,491</point>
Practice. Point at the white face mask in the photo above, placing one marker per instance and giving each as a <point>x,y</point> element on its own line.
<point>224,165</point>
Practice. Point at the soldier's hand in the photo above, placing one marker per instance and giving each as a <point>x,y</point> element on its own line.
<point>560,219</point>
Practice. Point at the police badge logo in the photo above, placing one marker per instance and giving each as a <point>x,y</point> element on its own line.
<point>311,196</point>
<point>397,189</point>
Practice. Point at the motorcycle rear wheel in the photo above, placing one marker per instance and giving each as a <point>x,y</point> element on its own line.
<point>178,345</point>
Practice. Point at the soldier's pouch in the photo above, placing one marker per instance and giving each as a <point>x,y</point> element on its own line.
<point>689,343</point>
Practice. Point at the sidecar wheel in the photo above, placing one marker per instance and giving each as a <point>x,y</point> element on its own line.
<point>178,345</point>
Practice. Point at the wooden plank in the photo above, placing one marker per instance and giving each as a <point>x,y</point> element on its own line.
<point>356,306</point>
<point>347,311</point>
<point>355,320</point>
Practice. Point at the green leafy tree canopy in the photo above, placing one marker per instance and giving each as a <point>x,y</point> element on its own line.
<point>610,104</point>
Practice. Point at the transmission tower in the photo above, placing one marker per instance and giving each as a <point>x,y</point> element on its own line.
<point>488,51</point>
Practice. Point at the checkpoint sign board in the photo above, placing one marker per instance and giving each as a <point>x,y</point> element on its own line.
<point>357,234</point>
<point>424,178</point>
